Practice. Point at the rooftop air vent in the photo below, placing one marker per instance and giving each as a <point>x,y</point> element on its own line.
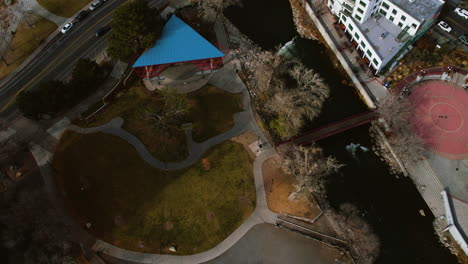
<point>383,35</point>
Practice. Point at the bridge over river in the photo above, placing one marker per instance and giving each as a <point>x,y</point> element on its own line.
<point>328,130</point>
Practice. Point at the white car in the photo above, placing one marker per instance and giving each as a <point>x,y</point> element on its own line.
<point>461,12</point>
<point>444,26</point>
<point>95,5</point>
<point>67,27</point>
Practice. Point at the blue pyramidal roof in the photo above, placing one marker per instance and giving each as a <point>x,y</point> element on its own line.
<point>178,42</point>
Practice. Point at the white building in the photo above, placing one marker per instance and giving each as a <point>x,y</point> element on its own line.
<point>383,29</point>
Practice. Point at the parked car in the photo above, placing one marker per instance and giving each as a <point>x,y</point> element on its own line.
<point>461,12</point>
<point>102,31</point>
<point>81,15</point>
<point>444,26</point>
<point>67,27</point>
<point>95,5</point>
<point>464,39</point>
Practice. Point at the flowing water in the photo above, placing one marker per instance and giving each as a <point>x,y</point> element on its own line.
<point>389,204</point>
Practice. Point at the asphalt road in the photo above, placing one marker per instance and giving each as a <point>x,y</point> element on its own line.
<point>458,24</point>
<point>265,243</point>
<point>57,59</point>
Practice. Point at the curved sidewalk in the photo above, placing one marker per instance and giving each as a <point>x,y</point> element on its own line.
<point>227,79</point>
<point>243,122</point>
<point>260,215</point>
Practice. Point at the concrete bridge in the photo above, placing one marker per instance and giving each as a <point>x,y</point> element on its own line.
<point>328,130</point>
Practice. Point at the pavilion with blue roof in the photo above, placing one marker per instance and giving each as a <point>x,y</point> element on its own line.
<point>178,43</point>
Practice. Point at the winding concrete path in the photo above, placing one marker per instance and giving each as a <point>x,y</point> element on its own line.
<point>227,79</point>
<point>34,7</point>
<point>260,215</point>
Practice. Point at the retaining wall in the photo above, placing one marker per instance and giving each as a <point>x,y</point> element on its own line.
<point>362,90</point>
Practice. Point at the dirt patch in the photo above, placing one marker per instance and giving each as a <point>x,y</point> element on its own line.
<point>278,187</point>
<point>245,139</point>
<point>168,226</point>
<point>210,216</point>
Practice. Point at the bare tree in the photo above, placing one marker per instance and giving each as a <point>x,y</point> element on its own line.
<point>33,230</point>
<point>362,239</point>
<point>211,9</point>
<point>290,104</point>
<point>405,142</point>
<point>408,146</point>
<point>310,167</point>
<point>304,25</point>
<point>173,109</point>
<point>396,111</point>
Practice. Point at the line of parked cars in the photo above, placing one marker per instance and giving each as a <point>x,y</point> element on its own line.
<point>83,14</point>
<point>447,28</point>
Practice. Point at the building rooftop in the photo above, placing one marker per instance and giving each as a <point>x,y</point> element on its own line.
<point>419,9</point>
<point>382,35</point>
<point>178,43</point>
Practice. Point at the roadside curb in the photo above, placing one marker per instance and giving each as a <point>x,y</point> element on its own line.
<point>36,54</point>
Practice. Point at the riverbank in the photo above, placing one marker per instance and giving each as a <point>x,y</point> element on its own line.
<point>426,244</point>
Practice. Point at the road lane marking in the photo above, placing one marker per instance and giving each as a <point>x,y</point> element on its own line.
<point>52,63</point>
<point>2,91</point>
<point>451,19</point>
<point>95,46</point>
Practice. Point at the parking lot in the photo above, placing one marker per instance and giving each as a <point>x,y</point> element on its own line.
<point>458,24</point>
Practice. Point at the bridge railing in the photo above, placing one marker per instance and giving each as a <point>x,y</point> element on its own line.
<point>329,125</point>
<point>435,73</point>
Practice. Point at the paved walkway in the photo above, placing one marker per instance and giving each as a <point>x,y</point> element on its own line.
<point>265,243</point>
<point>244,121</point>
<point>440,117</point>
<point>34,7</point>
<point>260,215</point>
<point>225,78</point>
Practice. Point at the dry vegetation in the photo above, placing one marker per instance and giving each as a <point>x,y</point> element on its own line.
<point>362,240</point>
<point>211,9</point>
<point>310,167</point>
<point>65,8</point>
<point>287,93</point>
<point>396,112</point>
<point>425,55</point>
<point>30,33</point>
<point>280,190</point>
<point>305,27</point>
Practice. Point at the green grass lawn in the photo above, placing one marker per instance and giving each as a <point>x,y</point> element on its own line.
<point>64,8</point>
<point>131,106</point>
<point>211,112</point>
<point>130,203</point>
<point>25,41</point>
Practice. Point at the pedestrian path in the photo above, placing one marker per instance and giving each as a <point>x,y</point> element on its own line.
<point>227,79</point>
<point>34,7</point>
<point>428,186</point>
<point>260,215</point>
<point>244,122</point>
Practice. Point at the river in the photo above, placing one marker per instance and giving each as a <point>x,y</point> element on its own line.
<point>389,204</point>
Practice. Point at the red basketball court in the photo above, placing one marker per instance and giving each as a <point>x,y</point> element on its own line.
<point>441,117</point>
